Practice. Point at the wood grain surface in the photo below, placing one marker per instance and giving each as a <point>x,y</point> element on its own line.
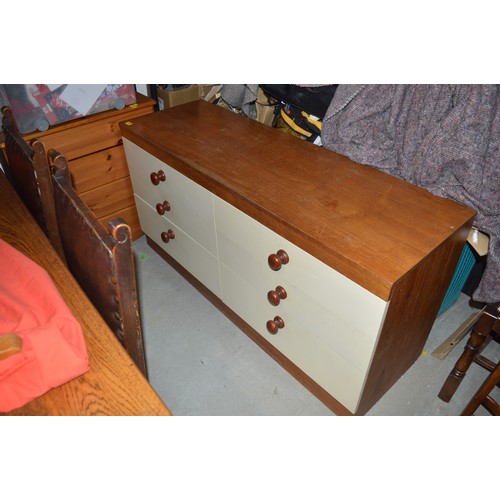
<point>113,385</point>
<point>370,226</point>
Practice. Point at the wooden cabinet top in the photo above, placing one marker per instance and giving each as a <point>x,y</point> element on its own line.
<point>141,102</point>
<point>370,226</point>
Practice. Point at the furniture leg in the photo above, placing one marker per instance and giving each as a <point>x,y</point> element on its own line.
<point>476,340</point>
<point>482,395</point>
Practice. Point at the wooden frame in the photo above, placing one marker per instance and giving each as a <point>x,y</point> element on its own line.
<point>28,171</point>
<point>101,261</point>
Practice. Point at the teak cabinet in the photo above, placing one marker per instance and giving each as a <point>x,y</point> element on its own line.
<point>336,269</point>
<point>93,147</point>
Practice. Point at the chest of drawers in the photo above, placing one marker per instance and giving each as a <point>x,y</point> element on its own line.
<point>336,269</point>
<point>97,161</point>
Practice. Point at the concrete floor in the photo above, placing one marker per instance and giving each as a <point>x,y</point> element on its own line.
<point>201,364</point>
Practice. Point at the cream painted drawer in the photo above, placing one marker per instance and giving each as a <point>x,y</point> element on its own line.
<point>187,252</point>
<point>244,246</point>
<point>331,328</point>
<point>324,334</point>
<point>302,344</point>
<point>191,206</point>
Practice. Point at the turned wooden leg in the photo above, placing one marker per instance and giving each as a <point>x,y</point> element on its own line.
<point>480,332</point>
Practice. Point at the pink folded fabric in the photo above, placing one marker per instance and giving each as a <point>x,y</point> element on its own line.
<point>54,350</point>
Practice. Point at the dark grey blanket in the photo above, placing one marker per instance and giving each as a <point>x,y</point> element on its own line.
<point>444,138</point>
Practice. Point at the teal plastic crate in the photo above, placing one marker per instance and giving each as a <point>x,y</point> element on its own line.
<point>462,272</point>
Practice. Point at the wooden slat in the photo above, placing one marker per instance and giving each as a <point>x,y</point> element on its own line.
<point>445,348</point>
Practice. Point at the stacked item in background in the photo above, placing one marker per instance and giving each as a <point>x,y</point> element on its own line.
<point>295,109</point>
<point>169,95</point>
<point>39,106</point>
<point>469,269</point>
<point>300,109</point>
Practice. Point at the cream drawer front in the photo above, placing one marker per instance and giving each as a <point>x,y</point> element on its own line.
<point>187,252</point>
<point>330,328</point>
<point>191,205</point>
<point>298,342</point>
<point>244,246</point>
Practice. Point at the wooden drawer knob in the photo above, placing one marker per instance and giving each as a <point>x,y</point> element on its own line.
<point>161,208</point>
<point>276,260</point>
<point>166,236</point>
<point>275,296</point>
<point>157,177</point>
<point>273,325</point>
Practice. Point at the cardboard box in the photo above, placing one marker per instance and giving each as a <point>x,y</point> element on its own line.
<point>169,97</point>
<point>39,106</point>
<point>209,92</point>
<point>265,108</point>
<point>479,241</point>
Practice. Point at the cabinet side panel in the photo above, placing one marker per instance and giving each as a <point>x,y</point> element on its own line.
<point>414,304</point>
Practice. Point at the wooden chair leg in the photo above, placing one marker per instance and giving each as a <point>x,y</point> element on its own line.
<point>476,340</point>
<point>482,395</point>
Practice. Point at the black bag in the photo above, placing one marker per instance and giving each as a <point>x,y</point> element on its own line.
<point>297,122</point>
<point>312,100</point>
